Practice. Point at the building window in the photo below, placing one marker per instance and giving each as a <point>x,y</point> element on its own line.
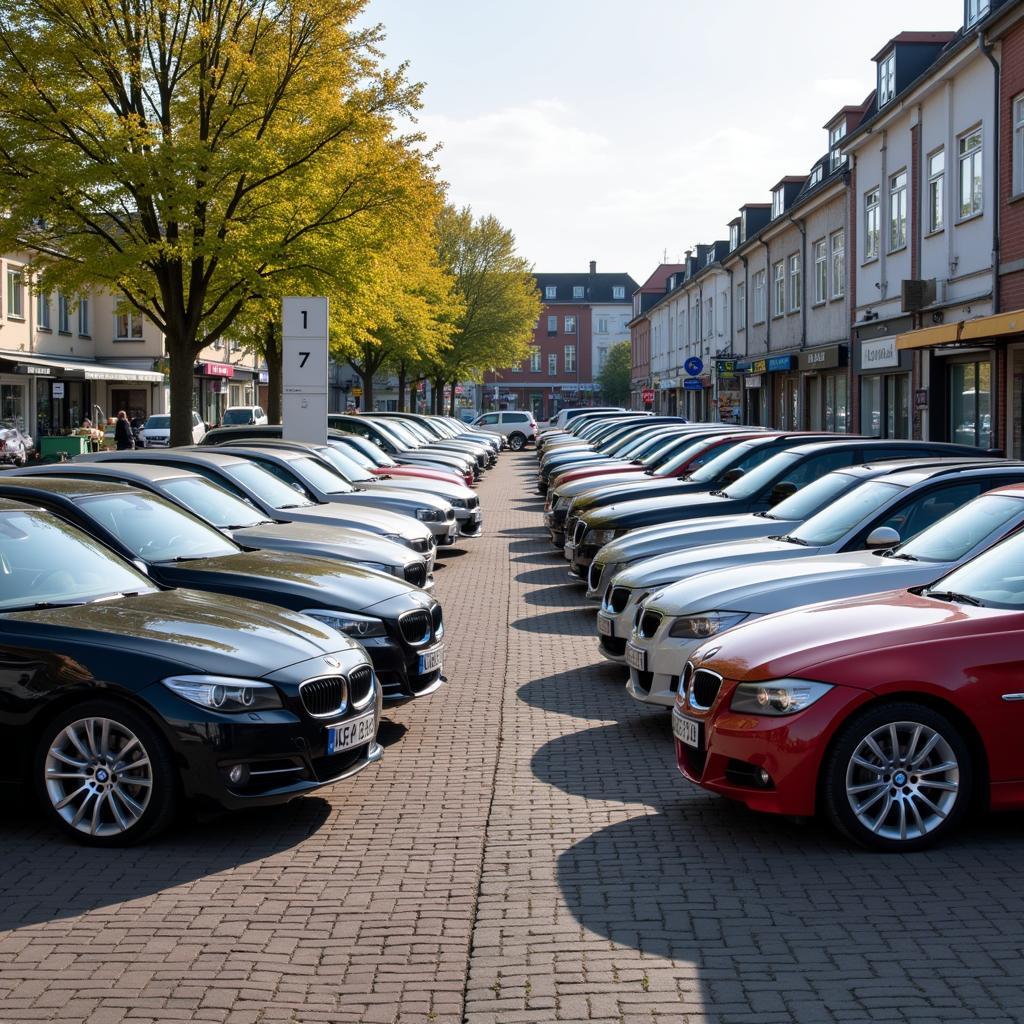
<point>709,318</point>
<point>577,291</point>
<point>795,282</point>
<point>550,291</point>
<point>872,224</point>
<point>897,210</point>
<point>570,325</point>
<point>936,189</point>
<point>817,174</point>
<point>838,242</point>
<point>43,310</point>
<point>741,306</point>
<point>779,295</point>
<point>618,291</point>
<point>535,360</point>
<point>820,271</point>
<point>886,79</point>
<point>759,296</point>
<point>1018,145</point>
<point>835,147</point>
<point>778,203</point>
<point>552,326</point>
<point>970,173</point>
<point>970,403</point>
<point>602,325</point>
<point>128,326</point>
<point>63,316</point>
<point>569,359</point>
<point>83,317</point>
<point>734,236</point>
<point>553,365</point>
<point>976,10</point>
<point>15,293</point>
<point>602,358</point>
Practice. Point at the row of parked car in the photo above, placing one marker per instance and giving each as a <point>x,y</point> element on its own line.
<point>835,621</point>
<point>221,625</point>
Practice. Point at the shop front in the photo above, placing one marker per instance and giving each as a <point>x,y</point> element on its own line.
<point>668,399</point>
<point>211,390</point>
<point>826,392</point>
<point>729,395</point>
<point>883,377</point>
<point>771,392</point>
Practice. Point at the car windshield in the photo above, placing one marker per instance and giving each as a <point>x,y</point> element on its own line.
<point>212,503</point>
<point>954,535</point>
<point>656,449</point>
<point>44,560</point>
<point>236,417</point>
<point>153,528</point>
<point>275,493</point>
<point>158,423</point>
<point>348,467</point>
<point>350,451</point>
<point>711,471</point>
<point>398,436</point>
<point>753,481</point>
<point>995,577</point>
<point>672,457</point>
<point>318,476</point>
<point>846,514</point>
<point>814,497</point>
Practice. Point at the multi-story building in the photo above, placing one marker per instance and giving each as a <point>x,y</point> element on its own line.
<point>566,342</point>
<point>642,384</point>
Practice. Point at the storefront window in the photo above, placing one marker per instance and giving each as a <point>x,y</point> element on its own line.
<point>837,402</point>
<point>871,406</point>
<point>970,403</point>
<point>12,405</point>
<point>885,405</point>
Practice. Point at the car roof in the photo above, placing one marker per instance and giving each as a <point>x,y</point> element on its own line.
<point>276,443</point>
<point>63,486</point>
<point>911,471</point>
<point>149,472</point>
<point>933,448</point>
<point>1016,490</point>
<point>208,456</point>
<point>269,447</point>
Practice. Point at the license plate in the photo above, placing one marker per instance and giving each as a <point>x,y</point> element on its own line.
<point>569,551</point>
<point>431,660</point>
<point>636,658</point>
<point>353,733</point>
<point>686,730</point>
<point>477,515</point>
<point>605,626</point>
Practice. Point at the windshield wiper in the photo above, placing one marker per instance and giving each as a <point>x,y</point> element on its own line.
<point>790,539</point>
<point>300,504</point>
<point>893,553</point>
<point>952,595</point>
<point>718,494</point>
<point>40,606</point>
<point>765,515</point>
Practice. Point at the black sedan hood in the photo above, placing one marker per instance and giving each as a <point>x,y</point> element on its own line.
<point>285,578</point>
<point>652,487</point>
<point>660,510</point>
<point>181,628</point>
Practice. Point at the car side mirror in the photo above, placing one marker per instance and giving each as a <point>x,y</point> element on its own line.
<point>731,477</point>
<point>782,490</point>
<point>883,537</point>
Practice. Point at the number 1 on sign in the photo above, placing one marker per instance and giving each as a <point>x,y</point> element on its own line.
<point>305,321</point>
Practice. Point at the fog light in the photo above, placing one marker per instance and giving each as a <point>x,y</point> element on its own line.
<point>238,774</point>
<point>764,777</point>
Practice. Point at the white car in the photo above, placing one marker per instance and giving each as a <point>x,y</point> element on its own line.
<point>872,516</point>
<point>518,428</point>
<point>156,431</point>
<point>243,416</point>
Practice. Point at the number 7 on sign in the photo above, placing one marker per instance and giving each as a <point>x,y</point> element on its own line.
<point>305,355</point>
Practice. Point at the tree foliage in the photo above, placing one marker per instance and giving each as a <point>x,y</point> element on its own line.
<point>194,155</point>
<point>615,378</point>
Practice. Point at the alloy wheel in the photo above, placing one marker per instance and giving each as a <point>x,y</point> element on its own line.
<point>903,780</point>
<point>98,776</point>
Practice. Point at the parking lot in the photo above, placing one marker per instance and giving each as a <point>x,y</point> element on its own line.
<point>525,852</point>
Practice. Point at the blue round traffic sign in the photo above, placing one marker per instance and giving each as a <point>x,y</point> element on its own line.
<point>693,366</point>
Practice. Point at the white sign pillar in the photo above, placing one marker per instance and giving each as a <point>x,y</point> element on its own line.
<point>304,352</point>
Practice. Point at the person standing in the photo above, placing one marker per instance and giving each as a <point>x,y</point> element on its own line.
<point>123,436</point>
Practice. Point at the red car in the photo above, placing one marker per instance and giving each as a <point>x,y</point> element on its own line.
<point>892,713</point>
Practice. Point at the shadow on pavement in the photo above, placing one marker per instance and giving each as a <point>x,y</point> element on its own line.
<point>578,621</point>
<point>551,576</point>
<point>559,593</point>
<point>47,878</point>
<point>390,732</point>
<point>561,695</point>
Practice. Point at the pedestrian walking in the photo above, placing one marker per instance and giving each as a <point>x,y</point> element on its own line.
<point>123,436</point>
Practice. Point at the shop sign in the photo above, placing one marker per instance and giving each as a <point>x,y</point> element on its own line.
<point>878,355</point>
<point>217,369</point>
<point>725,368</point>
<point>264,376</point>
<point>759,366</point>
<point>668,384</point>
<point>647,395</point>
<point>33,371</point>
<point>692,384</point>
<point>752,380</point>
<point>58,389</point>
<point>778,364</point>
<point>822,358</point>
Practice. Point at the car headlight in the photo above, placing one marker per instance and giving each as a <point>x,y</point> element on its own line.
<point>223,693</point>
<point>696,627</point>
<point>429,515</point>
<point>361,627</point>
<point>601,536</point>
<point>457,502</point>
<point>777,696</point>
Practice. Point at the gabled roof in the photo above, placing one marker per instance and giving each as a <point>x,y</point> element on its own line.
<point>915,37</point>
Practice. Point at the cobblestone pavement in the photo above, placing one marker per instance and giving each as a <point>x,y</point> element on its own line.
<point>524,853</point>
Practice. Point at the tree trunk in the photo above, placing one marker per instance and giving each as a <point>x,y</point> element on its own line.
<point>274,355</point>
<point>182,365</point>
<point>401,387</point>
<point>451,404</point>
<point>438,396</point>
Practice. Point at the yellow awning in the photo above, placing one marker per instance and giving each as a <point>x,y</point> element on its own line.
<point>941,334</point>
<point>993,326</point>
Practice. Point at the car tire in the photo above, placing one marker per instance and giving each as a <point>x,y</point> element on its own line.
<point>898,778</point>
<point>517,442</point>
<point>126,781</point>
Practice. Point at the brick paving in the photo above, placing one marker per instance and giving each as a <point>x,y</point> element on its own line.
<point>524,853</point>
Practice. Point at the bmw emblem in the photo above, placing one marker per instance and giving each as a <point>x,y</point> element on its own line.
<point>711,653</point>
<point>332,662</point>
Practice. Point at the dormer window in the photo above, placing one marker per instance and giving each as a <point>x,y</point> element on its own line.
<point>835,147</point>
<point>887,79</point>
<point>817,174</point>
<point>734,236</point>
<point>710,258</point>
<point>550,291</point>
<point>778,202</point>
<point>577,291</point>
<point>976,10</point>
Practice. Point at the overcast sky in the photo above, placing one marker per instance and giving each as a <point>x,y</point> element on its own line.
<point>620,131</point>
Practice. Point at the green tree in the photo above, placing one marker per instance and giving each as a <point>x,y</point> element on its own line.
<point>615,378</point>
<point>499,296</point>
<point>184,153</point>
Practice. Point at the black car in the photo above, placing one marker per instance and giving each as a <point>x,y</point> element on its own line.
<point>755,491</point>
<point>400,625</point>
<point>118,697</point>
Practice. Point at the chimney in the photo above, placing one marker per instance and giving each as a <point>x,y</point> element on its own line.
<point>593,266</point>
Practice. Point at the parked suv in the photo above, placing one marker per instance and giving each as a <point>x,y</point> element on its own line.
<point>519,428</point>
<point>156,431</point>
<point>243,416</point>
